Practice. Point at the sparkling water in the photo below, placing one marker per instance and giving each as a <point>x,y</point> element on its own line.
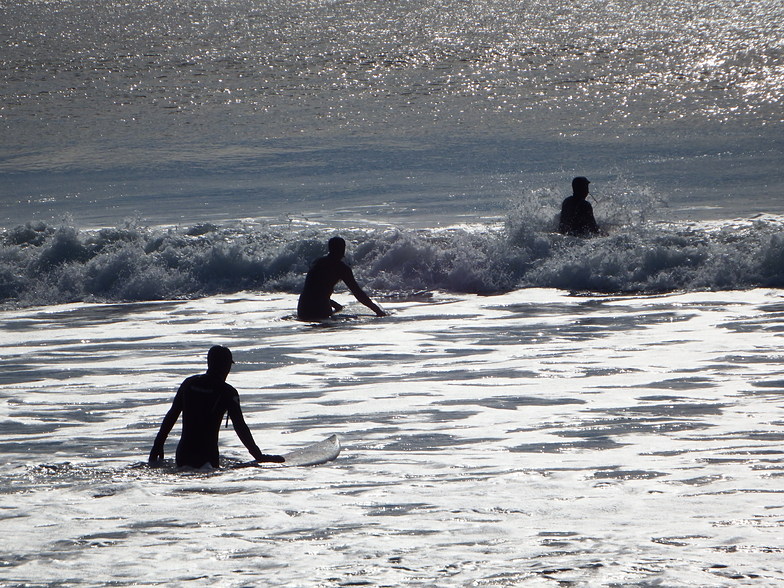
<point>536,410</point>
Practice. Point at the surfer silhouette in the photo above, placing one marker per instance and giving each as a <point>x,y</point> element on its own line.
<point>577,213</point>
<point>203,400</point>
<point>315,301</point>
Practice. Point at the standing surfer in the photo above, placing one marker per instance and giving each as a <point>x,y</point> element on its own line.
<point>203,400</point>
<point>315,302</point>
<point>577,213</point>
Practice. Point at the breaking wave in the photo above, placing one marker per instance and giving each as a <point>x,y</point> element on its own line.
<point>43,264</point>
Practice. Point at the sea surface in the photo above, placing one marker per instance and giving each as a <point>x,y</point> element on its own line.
<point>535,410</point>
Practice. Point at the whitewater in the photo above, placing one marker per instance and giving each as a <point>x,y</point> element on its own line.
<point>44,264</point>
<point>530,438</point>
<point>534,410</point>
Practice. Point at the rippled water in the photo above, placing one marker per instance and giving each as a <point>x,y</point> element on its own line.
<point>248,108</point>
<point>324,66</point>
<point>532,438</point>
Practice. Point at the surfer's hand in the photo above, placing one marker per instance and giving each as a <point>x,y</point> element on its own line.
<point>271,458</point>
<point>156,455</point>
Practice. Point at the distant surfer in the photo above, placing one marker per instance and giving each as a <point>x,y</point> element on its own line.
<point>315,302</point>
<point>203,400</point>
<point>577,213</point>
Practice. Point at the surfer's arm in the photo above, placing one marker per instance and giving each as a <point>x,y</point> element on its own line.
<point>590,222</point>
<point>594,226</point>
<point>156,453</point>
<point>243,432</point>
<point>359,293</point>
<point>566,220</point>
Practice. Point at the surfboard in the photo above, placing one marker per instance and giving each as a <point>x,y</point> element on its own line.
<point>310,455</point>
<point>318,453</point>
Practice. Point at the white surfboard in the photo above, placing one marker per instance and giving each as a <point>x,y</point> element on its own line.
<point>318,453</point>
<point>315,454</point>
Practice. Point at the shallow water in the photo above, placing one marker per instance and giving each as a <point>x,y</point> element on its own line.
<point>169,169</point>
<point>531,438</point>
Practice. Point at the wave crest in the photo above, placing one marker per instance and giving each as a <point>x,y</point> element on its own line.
<point>43,264</point>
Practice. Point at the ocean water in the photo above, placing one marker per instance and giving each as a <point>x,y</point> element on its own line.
<point>184,112</point>
<point>531,438</point>
<point>536,410</point>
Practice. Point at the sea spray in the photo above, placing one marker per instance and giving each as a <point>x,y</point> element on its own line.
<point>40,264</point>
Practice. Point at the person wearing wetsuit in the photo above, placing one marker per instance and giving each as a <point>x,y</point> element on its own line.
<point>315,302</point>
<point>577,213</point>
<point>203,400</point>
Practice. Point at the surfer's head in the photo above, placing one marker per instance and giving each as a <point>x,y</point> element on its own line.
<point>580,186</point>
<point>219,360</point>
<point>337,246</point>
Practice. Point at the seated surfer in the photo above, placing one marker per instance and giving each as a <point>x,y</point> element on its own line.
<point>315,302</point>
<point>577,213</point>
<point>203,400</point>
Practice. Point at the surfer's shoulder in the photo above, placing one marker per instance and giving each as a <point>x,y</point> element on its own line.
<point>190,381</point>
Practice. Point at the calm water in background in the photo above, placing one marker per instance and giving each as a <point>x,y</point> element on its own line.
<point>169,169</point>
<point>183,111</point>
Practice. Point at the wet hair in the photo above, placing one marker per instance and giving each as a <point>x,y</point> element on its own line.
<point>219,358</point>
<point>337,245</point>
<point>579,181</point>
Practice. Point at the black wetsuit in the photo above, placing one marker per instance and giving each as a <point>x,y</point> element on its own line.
<point>315,301</point>
<point>577,218</point>
<point>203,401</point>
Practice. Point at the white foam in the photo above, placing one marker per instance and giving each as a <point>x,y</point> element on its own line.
<point>526,437</point>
